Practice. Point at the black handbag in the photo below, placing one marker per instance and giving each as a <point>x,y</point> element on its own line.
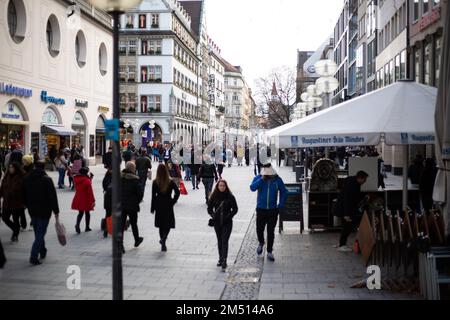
<point>211,221</point>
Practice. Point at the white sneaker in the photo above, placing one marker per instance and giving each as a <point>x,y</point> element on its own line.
<point>344,249</point>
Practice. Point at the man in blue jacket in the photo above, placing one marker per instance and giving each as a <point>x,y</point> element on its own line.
<point>268,184</point>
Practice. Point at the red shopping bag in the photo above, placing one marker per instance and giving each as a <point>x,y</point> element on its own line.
<point>183,190</point>
<point>109,225</point>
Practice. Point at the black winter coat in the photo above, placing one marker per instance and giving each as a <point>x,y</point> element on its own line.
<point>223,209</point>
<point>208,171</point>
<point>349,198</point>
<point>40,195</point>
<point>107,191</point>
<point>162,205</point>
<point>12,191</point>
<point>131,192</point>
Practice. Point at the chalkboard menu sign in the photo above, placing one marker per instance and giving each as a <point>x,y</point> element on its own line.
<point>293,210</point>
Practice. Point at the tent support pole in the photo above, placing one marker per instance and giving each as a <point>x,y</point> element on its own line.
<point>405,176</point>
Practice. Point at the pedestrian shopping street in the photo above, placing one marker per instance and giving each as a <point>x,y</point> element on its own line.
<point>306,266</point>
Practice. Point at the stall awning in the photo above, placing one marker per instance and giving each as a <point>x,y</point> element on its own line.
<point>58,130</point>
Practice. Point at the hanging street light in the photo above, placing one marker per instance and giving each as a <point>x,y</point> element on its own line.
<point>116,8</point>
<point>313,91</point>
<point>304,97</point>
<point>326,68</point>
<point>327,84</point>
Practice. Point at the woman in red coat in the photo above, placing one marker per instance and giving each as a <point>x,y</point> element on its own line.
<point>83,200</point>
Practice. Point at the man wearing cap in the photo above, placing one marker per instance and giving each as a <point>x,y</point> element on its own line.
<point>268,184</point>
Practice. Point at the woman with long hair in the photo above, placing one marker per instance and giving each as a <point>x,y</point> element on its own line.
<point>163,203</point>
<point>12,193</point>
<point>222,207</point>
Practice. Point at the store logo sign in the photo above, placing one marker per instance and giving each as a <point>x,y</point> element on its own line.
<point>12,112</point>
<point>103,109</point>
<point>81,103</point>
<point>49,99</point>
<point>11,90</point>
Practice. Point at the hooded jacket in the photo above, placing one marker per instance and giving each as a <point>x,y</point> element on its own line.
<point>268,192</point>
<point>131,192</point>
<point>40,195</point>
<point>84,199</point>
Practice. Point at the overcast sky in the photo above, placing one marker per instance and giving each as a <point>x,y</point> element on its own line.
<point>260,35</point>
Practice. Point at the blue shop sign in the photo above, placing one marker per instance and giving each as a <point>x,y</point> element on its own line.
<point>48,99</point>
<point>11,90</point>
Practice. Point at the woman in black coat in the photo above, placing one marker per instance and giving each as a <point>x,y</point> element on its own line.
<point>107,199</point>
<point>132,196</point>
<point>426,184</point>
<point>163,203</point>
<point>222,207</point>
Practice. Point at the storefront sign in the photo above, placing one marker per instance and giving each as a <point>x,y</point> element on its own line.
<point>103,109</point>
<point>49,99</point>
<point>81,103</point>
<point>11,90</point>
<point>12,112</point>
<point>406,138</point>
<point>426,21</point>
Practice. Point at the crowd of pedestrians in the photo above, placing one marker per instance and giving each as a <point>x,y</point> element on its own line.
<point>27,187</point>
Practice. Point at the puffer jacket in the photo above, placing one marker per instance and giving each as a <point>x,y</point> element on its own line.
<point>268,192</point>
<point>131,192</point>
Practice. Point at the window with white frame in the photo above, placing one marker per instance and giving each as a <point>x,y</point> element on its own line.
<point>155,20</point>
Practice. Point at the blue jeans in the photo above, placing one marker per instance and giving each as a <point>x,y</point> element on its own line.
<point>208,183</point>
<point>187,172</point>
<point>62,173</point>
<point>40,229</point>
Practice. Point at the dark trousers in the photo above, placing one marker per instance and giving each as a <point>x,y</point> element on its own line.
<point>223,234</point>
<point>208,183</point>
<point>143,180</point>
<point>2,256</point>
<point>164,233</point>
<point>194,180</point>
<point>87,218</point>
<point>133,216</point>
<point>220,170</point>
<point>347,228</point>
<point>13,224</point>
<point>40,229</point>
<point>23,219</point>
<point>267,218</point>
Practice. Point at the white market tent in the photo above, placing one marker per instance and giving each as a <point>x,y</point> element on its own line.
<point>401,114</point>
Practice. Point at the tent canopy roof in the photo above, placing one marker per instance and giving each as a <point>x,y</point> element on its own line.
<point>403,112</point>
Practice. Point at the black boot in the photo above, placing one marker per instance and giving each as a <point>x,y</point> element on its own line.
<point>219,263</point>
<point>88,221</point>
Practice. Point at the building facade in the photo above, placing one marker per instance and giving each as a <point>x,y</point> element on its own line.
<point>303,80</point>
<point>239,104</point>
<point>55,76</point>
<point>160,72</point>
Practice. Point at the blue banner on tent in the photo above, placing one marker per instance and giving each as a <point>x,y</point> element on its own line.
<point>112,129</point>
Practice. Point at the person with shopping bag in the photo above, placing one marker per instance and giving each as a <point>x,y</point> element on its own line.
<point>163,203</point>
<point>84,200</point>
<point>41,201</point>
<point>222,207</point>
<point>107,200</point>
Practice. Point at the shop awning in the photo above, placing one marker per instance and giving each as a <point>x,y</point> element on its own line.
<point>58,130</point>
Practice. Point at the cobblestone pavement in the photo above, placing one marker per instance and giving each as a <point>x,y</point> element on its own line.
<point>187,271</point>
<point>309,267</point>
<point>306,267</point>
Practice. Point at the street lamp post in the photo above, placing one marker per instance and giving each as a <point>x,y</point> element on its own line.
<point>116,8</point>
